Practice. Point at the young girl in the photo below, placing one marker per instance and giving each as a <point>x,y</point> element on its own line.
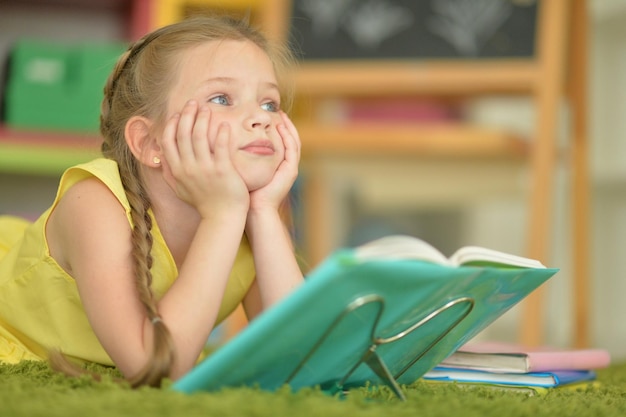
<point>142,253</point>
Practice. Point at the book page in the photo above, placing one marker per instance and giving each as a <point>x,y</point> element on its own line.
<point>479,256</point>
<point>400,247</point>
<point>409,247</point>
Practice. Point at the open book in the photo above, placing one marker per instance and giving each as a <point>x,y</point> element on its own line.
<point>366,315</point>
<point>409,247</point>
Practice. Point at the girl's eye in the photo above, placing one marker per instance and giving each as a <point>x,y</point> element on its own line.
<point>222,100</point>
<point>270,106</point>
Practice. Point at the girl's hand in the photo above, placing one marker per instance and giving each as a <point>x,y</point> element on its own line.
<point>276,191</point>
<point>203,178</point>
<point>277,272</point>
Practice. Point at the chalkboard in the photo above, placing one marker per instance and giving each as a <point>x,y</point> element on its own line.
<point>398,29</point>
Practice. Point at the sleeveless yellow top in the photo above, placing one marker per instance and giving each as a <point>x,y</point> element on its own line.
<point>40,307</point>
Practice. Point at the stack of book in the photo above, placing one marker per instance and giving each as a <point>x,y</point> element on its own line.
<point>511,366</point>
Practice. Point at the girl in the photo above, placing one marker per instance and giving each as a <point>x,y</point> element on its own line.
<point>144,251</point>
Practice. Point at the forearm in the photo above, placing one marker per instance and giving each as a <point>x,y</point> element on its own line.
<point>191,305</point>
<point>277,270</point>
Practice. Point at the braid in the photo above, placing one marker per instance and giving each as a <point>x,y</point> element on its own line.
<point>163,347</point>
<point>141,236</point>
<point>106,124</point>
<point>112,147</point>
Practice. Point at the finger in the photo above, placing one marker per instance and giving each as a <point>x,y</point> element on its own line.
<point>200,136</point>
<point>220,149</point>
<point>290,141</point>
<point>168,141</point>
<point>185,130</point>
<point>291,128</point>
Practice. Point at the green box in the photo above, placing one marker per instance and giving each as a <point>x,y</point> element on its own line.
<point>58,86</point>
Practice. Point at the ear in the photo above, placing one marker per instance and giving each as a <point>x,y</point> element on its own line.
<point>141,143</point>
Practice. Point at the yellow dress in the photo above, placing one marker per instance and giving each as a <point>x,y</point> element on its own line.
<point>40,307</point>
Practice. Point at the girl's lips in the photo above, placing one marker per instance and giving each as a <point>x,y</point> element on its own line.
<point>259,147</point>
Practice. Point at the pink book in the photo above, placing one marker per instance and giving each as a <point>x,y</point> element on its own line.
<point>508,357</point>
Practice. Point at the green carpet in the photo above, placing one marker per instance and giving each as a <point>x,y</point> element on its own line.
<point>32,389</point>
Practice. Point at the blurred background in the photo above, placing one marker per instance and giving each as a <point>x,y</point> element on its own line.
<point>390,144</point>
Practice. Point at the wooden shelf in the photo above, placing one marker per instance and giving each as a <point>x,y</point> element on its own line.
<point>555,75</point>
<point>398,78</point>
<point>44,153</point>
<point>432,140</point>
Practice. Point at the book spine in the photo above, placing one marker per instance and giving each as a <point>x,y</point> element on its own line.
<point>581,359</point>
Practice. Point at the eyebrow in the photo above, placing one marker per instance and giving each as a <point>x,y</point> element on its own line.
<point>229,80</point>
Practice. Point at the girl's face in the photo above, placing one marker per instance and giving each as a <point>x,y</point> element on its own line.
<point>236,80</point>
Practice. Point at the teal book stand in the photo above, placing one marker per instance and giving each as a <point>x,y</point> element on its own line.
<point>354,322</point>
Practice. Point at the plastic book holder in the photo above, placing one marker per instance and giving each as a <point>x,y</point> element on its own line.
<point>354,323</point>
<point>370,357</point>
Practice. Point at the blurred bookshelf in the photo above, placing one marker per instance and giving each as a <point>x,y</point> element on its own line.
<point>43,152</point>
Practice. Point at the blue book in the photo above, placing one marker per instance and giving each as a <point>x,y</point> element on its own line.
<point>383,313</point>
<point>537,379</point>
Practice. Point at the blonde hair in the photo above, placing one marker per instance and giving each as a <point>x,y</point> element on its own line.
<point>139,85</point>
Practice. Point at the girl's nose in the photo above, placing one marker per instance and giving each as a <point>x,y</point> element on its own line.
<point>258,119</point>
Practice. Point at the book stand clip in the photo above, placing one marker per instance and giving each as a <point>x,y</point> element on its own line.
<point>370,356</point>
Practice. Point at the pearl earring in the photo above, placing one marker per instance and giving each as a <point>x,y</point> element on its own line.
<point>156,160</point>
